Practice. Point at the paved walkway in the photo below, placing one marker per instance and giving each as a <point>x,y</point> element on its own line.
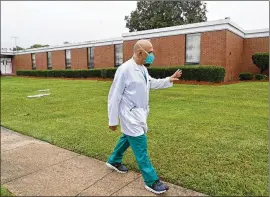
<point>30,167</point>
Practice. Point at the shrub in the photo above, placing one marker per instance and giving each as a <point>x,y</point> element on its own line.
<point>91,73</point>
<point>260,77</point>
<point>58,73</point>
<point>261,60</point>
<point>110,72</point>
<point>246,76</point>
<point>103,73</point>
<point>50,73</point>
<point>41,73</point>
<point>195,73</point>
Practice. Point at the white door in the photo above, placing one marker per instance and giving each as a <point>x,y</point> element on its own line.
<point>6,66</point>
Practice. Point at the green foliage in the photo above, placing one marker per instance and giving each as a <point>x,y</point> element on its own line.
<point>38,46</point>
<point>18,48</point>
<point>158,14</point>
<point>261,60</point>
<point>261,77</point>
<point>194,73</point>
<point>246,76</point>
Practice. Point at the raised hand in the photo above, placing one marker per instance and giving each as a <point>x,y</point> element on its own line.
<point>176,76</point>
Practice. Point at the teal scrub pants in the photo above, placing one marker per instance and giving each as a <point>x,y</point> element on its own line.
<point>139,148</point>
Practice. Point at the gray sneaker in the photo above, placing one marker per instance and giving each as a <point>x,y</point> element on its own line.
<point>157,187</point>
<point>118,167</point>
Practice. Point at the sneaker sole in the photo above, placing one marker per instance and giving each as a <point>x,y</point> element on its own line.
<point>114,168</point>
<point>155,192</point>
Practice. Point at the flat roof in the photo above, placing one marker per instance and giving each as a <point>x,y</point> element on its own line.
<point>224,24</point>
<point>8,53</point>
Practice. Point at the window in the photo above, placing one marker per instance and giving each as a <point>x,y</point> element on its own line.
<point>33,56</point>
<point>193,44</point>
<point>90,57</point>
<point>68,59</point>
<point>118,55</point>
<point>49,60</point>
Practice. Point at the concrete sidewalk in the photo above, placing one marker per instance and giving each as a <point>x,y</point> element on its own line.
<point>30,167</point>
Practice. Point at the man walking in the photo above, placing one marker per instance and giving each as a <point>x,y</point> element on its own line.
<point>128,101</point>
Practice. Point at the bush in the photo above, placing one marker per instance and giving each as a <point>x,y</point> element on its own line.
<point>261,60</point>
<point>195,73</point>
<point>27,72</point>
<point>72,74</point>
<point>41,73</point>
<point>246,76</point>
<point>50,73</point>
<point>110,72</point>
<point>192,73</point>
<point>260,77</point>
<point>90,73</point>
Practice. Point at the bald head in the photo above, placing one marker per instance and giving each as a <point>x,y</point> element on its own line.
<point>141,50</point>
<point>143,44</point>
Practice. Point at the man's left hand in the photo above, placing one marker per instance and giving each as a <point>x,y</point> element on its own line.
<point>176,76</point>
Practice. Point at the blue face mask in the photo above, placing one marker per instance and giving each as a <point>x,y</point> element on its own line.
<point>149,59</point>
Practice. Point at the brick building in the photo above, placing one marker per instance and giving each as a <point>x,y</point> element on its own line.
<point>219,43</point>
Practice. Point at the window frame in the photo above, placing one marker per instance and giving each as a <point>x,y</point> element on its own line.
<point>186,44</point>
<point>116,63</point>
<point>90,57</point>
<point>68,61</point>
<point>33,60</point>
<point>49,61</point>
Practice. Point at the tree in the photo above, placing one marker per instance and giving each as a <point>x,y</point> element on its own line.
<point>261,60</point>
<point>38,46</point>
<point>158,14</point>
<point>66,42</point>
<point>17,48</point>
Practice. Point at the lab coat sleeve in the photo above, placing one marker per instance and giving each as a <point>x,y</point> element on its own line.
<point>114,98</point>
<point>160,83</point>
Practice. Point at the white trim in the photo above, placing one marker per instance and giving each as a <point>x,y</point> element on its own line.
<point>224,24</point>
<point>180,27</point>
<point>186,29</point>
<point>257,33</point>
<point>177,32</point>
<point>236,31</point>
<point>7,53</point>
<point>74,46</point>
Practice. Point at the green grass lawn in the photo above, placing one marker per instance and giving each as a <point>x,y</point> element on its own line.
<point>5,192</point>
<point>212,139</point>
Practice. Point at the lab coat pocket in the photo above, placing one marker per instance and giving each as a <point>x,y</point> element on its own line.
<point>138,116</point>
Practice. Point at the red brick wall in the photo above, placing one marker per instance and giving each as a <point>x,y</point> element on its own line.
<point>58,60</point>
<point>169,51</point>
<point>234,55</point>
<point>79,58</point>
<point>41,61</point>
<point>251,46</point>
<point>128,49</point>
<point>213,48</point>
<point>104,56</point>
<point>22,62</point>
<point>220,48</point>
<point>13,65</point>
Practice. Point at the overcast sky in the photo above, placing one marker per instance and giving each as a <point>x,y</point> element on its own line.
<point>55,22</point>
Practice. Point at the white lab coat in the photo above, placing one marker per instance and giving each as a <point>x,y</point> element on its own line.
<point>128,98</point>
